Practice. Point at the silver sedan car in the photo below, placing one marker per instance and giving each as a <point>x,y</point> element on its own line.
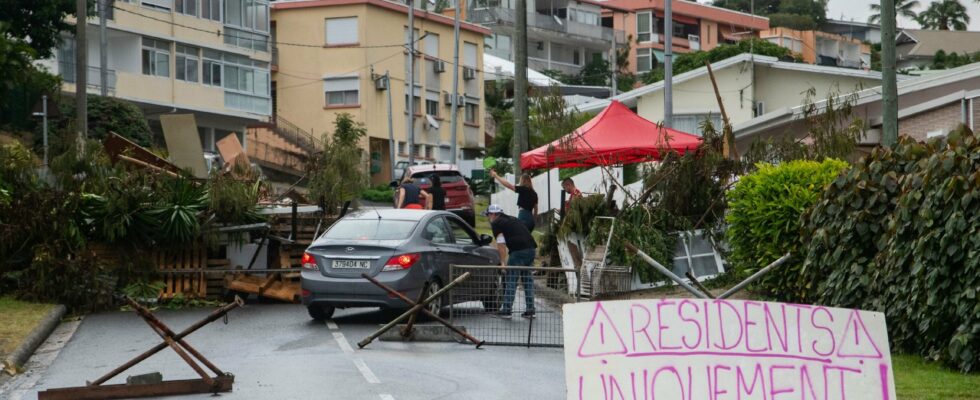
<point>404,249</point>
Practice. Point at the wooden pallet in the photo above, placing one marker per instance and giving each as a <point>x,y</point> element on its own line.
<point>192,285</point>
<point>272,286</point>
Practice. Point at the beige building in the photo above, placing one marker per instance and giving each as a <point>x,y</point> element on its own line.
<point>822,48</point>
<point>354,43</point>
<point>209,58</point>
<point>750,86</point>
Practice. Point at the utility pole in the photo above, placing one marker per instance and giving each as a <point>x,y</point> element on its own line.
<point>453,105</point>
<point>391,129</point>
<point>81,71</point>
<point>520,85</point>
<point>612,85</point>
<point>668,64</point>
<point>411,82</point>
<point>889,88</point>
<point>103,49</point>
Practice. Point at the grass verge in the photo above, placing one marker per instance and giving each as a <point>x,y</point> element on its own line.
<point>17,319</point>
<point>918,379</point>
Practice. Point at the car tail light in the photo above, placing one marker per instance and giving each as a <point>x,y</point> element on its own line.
<point>309,263</point>
<point>400,262</point>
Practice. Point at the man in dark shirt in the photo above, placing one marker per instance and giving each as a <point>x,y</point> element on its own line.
<point>516,245</point>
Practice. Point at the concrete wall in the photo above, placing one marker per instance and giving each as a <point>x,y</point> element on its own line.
<point>778,88</point>
<point>696,96</point>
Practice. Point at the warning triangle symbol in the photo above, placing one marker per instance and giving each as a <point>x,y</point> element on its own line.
<point>601,336</point>
<point>856,341</point>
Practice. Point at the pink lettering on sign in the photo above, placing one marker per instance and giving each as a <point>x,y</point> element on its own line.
<point>725,350</point>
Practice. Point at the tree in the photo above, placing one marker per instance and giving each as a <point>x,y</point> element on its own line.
<point>691,61</point>
<point>338,173</point>
<point>939,60</point>
<point>792,21</point>
<point>903,8</point>
<point>945,15</point>
<point>762,7</point>
<point>814,9</point>
<point>38,23</point>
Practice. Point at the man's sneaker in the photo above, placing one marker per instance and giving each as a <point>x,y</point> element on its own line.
<point>528,314</point>
<point>503,314</point>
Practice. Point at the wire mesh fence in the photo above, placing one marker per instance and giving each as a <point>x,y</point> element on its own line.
<point>526,313</point>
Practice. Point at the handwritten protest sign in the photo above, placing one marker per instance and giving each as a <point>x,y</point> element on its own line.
<point>692,349</point>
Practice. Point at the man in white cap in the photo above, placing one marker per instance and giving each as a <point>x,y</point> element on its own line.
<point>517,247</point>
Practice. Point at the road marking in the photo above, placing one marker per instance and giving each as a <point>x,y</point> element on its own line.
<point>368,375</point>
<point>387,397</point>
<point>342,342</point>
<point>332,325</point>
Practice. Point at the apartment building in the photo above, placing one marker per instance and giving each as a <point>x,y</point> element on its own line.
<point>209,58</point>
<point>562,35</point>
<point>822,48</point>
<point>332,56</point>
<point>695,27</point>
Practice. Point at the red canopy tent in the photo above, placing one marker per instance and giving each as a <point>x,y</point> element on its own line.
<point>616,136</point>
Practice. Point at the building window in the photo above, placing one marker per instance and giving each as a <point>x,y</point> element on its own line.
<point>680,30</point>
<point>248,14</point>
<point>212,69</point>
<point>644,26</point>
<point>432,103</point>
<point>416,150</point>
<point>644,60</point>
<point>417,104</point>
<point>469,54</point>
<point>431,45</point>
<point>211,9</point>
<point>428,151</point>
<point>576,58</point>
<point>187,61</point>
<point>341,91</point>
<point>401,148</point>
<point>471,112</point>
<point>691,123</point>
<point>159,4</point>
<point>156,57</point>
<point>341,31</point>
<point>188,7</point>
<point>582,16</point>
<point>694,252</point>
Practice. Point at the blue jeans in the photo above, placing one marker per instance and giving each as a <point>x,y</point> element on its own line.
<point>527,218</point>
<point>519,258</point>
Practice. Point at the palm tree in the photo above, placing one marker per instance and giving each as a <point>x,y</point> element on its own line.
<point>902,8</point>
<point>945,15</point>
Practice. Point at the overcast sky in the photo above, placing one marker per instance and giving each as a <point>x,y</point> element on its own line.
<point>859,11</point>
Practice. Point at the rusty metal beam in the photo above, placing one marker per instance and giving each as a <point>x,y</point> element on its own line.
<point>124,391</point>
<point>419,306</point>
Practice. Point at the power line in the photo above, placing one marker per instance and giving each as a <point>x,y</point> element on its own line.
<point>315,80</point>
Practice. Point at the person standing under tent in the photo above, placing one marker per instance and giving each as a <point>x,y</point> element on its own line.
<point>527,198</point>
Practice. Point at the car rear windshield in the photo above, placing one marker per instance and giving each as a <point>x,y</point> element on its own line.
<point>425,178</point>
<point>370,229</point>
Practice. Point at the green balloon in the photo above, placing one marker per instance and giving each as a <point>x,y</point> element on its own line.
<point>489,162</point>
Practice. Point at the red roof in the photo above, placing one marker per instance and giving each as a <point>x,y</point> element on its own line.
<point>616,136</point>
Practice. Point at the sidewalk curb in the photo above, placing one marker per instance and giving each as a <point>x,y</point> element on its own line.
<point>20,355</point>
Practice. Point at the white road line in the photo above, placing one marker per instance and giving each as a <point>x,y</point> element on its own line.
<point>332,325</point>
<point>387,397</point>
<point>342,342</point>
<point>368,375</point>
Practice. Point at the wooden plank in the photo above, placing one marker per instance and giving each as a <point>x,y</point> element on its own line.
<point>165,388</point>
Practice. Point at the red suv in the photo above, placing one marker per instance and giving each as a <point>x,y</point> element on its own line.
<point>459,197</point>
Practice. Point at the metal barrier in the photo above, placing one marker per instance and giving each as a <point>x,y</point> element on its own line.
<point>477,304</point>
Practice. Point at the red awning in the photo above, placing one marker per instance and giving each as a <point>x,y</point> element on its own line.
<point>616,136</point>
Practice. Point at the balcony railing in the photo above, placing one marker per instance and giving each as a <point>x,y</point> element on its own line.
<point>507,16</point>
<point>93,76</point>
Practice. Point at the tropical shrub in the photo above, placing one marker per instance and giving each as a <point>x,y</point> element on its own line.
<point>106,114</point>
<point>763,218</point>
<point>339,173</point>
<point>379,194</point>
<point>899,233</point>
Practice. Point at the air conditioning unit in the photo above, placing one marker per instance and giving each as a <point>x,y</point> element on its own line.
<point>447,98</point>
<point>439,66</point>
<point>381,83</point>
<point>469,73</point>
<point>694,42</point>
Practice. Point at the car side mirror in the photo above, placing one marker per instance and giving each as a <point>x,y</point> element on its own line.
<point>393,184</point>
<point>485,239</point>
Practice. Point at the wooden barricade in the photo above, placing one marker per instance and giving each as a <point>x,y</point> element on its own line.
<point>183,272</point>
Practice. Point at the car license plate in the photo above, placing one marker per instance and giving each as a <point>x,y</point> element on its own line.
<point>351,264</point>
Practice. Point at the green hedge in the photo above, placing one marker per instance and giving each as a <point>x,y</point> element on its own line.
<point>900,234</point>
<point>764,219</point>
<point>378,194</point>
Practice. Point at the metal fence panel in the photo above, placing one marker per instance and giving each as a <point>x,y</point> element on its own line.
<point>477,301</point>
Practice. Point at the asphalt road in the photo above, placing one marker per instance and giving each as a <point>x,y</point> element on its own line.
<point>278,352</point>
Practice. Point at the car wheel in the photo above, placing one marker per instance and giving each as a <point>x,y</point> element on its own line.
<point>320,312</point>
<point>435,306</point>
